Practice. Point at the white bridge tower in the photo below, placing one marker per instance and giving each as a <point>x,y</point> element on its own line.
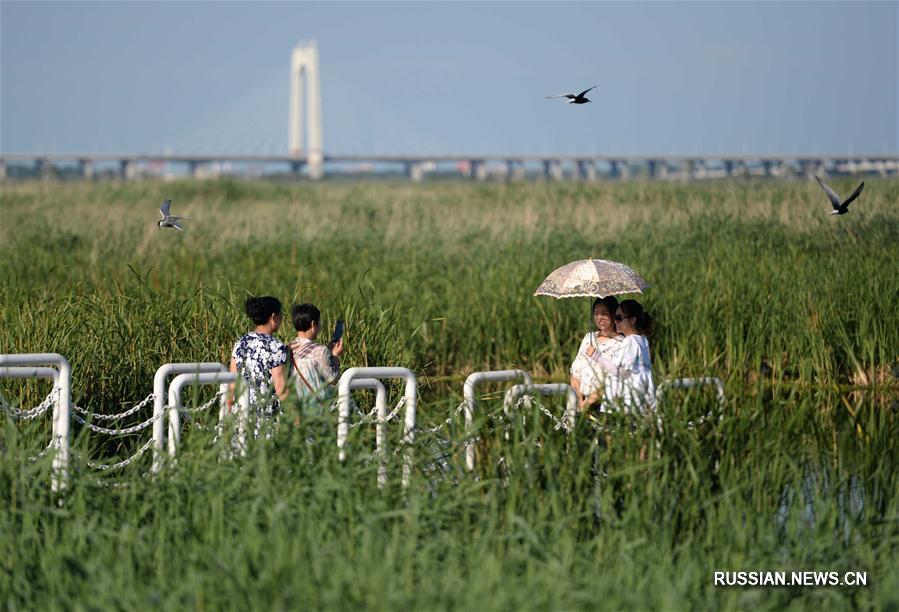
<point>304,63</point>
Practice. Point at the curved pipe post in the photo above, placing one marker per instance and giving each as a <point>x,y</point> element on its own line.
<point>687,383</point>
<point>61,411</point>
<point>381,428</point>
<point>208,378</point>
<point>471,402</point>
<point>410,395</point>
<point>517,391</point>
<point>29,372</point>
<point>159,396</point>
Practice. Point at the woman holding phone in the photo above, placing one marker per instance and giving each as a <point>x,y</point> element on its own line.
<point>315,366</point>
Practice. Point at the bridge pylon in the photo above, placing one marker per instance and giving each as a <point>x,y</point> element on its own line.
<point>304,71</point>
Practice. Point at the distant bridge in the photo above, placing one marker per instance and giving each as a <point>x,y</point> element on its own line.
<point>477,167</point>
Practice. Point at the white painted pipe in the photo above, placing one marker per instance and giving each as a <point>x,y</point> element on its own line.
<point>30,372</point>
<point>411,397</point>
<point>62,411</point>
<point>159,394</point>
<point>208,378</point>
<point>517,391</point>
<point>471,402</point>
<point>381,427</point>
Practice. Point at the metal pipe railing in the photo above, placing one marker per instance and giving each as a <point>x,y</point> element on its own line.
<point>381,426</point>
<point>410,396</point>
<point>515,392</point>
<point>687,383</point>
<point>159,395</point>
<point>471,403</point>
<point>209,378</point>
<point>62,411</point>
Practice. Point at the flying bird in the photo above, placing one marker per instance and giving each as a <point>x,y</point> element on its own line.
<point>167,219</point>
<point>839,207</point>
<point>574,98</point>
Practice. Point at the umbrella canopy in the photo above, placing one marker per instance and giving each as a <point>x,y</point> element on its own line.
<point>591,278</point>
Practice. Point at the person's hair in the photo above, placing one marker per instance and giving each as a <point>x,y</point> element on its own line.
<point>642,320</point>
<point>260,309</point>
<point>610,301</point>
<point>304,315</point>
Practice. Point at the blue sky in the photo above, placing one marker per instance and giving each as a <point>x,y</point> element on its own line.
<point>453,78</point>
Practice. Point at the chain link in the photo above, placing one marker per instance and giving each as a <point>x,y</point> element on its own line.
<point>372,417</point>
<point>43,453</point>
<point>532,400</point>
<point>447,421</point>
<point>139,426</point>
<point>205,406</point>
<point>114,417</point>
<point>123,463</point>
<point>558,423</point>
<point>707,417</point>
<point>32,413</point>
<point>119,432</point>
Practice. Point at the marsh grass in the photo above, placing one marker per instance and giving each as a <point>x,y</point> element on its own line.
<point>796,471</point>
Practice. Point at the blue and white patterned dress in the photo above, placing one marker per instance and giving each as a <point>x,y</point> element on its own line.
<point>256,355</point>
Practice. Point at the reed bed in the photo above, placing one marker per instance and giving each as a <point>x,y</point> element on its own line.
<point>753,281</point>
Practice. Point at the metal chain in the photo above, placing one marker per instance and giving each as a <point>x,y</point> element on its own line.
<point>123,463</point>
<point>32,413</point>
<point>530,399</point>
<point>372,417</point>
<point>118,432</point>
<point>691,425</point>
<point>558,423</point>
<point>365,418</point>
<point>446,421</point>
<point>115,417</point>
<point>110,485</point>
<point>395,411</point>
<point>43,453</point>
<point>205,406</point>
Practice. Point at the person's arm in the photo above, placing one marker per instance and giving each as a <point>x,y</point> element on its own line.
<point>279,379</point>
<point>233,369</point>
<point>330,362</point>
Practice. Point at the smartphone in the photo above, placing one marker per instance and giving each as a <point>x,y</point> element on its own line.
<point>338,332</point>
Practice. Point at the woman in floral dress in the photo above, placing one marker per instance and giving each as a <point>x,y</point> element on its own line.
<point>261,359</point>
<point>587,378</point>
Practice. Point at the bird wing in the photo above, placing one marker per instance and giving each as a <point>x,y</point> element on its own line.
<point>176,226</point>
<point>171,218</point>
<point>568,95</point>
<point>585,91</point>
<point>834,198</point>
<point>164,209</point>
<point>854,195</point>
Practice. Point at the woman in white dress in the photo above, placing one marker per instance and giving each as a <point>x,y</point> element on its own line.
<point>628,382</point>
<point>587,378</point>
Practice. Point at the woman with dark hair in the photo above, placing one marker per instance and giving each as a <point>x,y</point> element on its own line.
<point>317,365</point>
<point>261,359</point>
<point>628,382</point>
<point>587,378</point>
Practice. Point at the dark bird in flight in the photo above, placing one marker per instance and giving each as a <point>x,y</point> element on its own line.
<point>574,98</point>
<point>839,207</point>
<point>167,219</point>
